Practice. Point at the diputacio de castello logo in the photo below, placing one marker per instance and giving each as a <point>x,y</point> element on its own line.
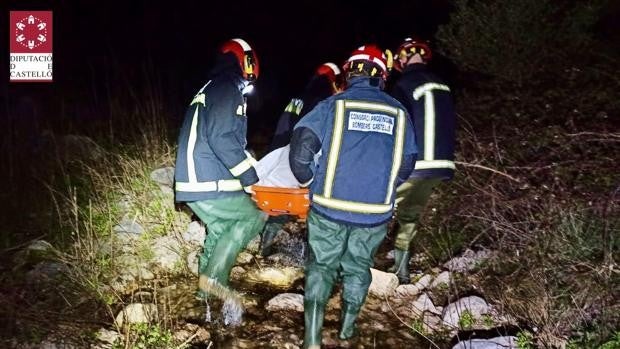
<point>31,56</point>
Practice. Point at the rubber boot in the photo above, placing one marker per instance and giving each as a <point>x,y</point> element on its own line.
<point>348,329</point>
<point>314,313</point>
<point>401,266</point>
<point>269,233</point>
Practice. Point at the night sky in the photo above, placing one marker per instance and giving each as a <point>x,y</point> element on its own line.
<point>102,47</point>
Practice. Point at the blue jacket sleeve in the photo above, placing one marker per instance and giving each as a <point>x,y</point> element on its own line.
<point>223,135</point>
<point>306,143</point>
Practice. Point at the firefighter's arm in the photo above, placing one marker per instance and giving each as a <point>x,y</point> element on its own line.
<point>306,143</point>
<point>221,135</point>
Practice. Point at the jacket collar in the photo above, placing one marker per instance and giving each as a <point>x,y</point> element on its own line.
<point>365,81</point>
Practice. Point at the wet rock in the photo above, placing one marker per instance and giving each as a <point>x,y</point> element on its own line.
<point>136,313</point>
<point>195,234</point>
<point>35,252</point>
<point>468,261</point>
<point>383,284</point>
<point>508,342</point>
<point>163,176</point>
<point>244,258</point>
<point>280,278</point>
<point>281,258</point>
<point>236,273</point>
<point>286,302</point>
<point>128,225</point>
<point>167,253</point>
<point>197,334</point>
<point>424,304</point>
<point>468,309</point>
<point>254,245</point>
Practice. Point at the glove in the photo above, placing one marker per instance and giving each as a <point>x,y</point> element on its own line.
<point>248,189</point>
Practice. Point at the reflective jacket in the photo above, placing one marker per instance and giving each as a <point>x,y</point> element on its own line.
<point>429,102</point>
<point>367,147</point>
<point>211,159</point>
<point>317,90</point>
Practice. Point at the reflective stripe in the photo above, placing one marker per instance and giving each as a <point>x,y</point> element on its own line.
<point>244,45</point>
<point>428,164</point>
<point>418,92</point>
<point>244,165</point>
<point>371,106</point>
<point>334,149</point>
<point>351,206</point>
<point>199,98</point>
<point>294,106</point>
<point>240,168</point>
<point>429,126</point>
<point>333,67</point>
<point>367,58</point>
<point>397,157</point>
<point>191,144</point>
<point>250,158</point>
<point>426,90</point>
<point>221,185</point>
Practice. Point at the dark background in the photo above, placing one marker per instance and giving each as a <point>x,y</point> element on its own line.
<point>107,50</point>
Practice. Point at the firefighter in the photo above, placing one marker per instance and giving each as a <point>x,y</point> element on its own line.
<point>429,102</point>
<point>366,143</point>
<point>325,82</point>
<point>213,172</point>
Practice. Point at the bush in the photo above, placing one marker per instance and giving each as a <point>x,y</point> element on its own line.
<point>515,40</point>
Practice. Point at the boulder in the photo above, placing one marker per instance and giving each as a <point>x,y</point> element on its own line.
<point>286,302</point>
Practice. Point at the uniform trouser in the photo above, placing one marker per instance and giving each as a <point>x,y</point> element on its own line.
<point>231,223</point>
<point>335,247</point>
<point>412,197</point>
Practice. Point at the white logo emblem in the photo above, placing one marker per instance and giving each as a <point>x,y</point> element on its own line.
<point>31,32</point>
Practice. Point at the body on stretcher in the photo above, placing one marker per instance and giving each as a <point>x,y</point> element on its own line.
<point>277,192</point>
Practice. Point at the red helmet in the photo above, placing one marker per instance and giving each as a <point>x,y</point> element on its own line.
<point>333,74</point>
<point>412,46</point>
<point>245,56</point>
<point>368,58</point>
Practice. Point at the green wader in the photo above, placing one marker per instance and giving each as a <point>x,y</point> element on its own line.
<point>412,197</point>
<point>232,222</point>
<point>274,224</point>
<point>335,247</point>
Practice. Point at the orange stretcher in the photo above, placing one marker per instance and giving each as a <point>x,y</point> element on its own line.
<point>282,201</point>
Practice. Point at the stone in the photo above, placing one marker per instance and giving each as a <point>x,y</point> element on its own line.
<point>475,305</point>
<point>107,336</point>
<point>236,273</point>
<point>254,245</point>
<point>442,280</point>
<point>163,176</point>
<point>244,258</point>
<point>195,234</point>
<point>192,260</point>
<point>167,253</point>
<point>46,272</point>
<point>286,302</point>
<point>468,261</point>
<point>280,278</point>
<point>136,313</point>
<point>424,304</point>
<point>423,282</point>
<point>407,291</point>
<point>505,342</point>
<point>383,284</point>
<point>128,225</point>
